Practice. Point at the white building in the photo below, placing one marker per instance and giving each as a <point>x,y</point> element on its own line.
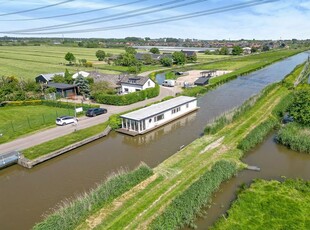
<point>133,84</point>
<point>156,115</point>
<point>83,73</point>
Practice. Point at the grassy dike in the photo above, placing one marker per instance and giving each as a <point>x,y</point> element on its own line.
<point>270,205</point>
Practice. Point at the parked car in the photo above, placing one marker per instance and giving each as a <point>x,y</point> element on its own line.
<point>95,111</point>
<point>64,120</point>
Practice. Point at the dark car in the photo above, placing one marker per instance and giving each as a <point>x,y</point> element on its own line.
<point>95,111</point>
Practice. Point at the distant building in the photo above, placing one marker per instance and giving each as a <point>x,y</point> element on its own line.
<point>62,89</point>
<point>189,53</point>
<point>130,84</point>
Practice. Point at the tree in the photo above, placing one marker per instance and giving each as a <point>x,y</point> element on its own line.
<point>100,54</point>
<point>68,77</point>
<point>254,49</point>
<point>59,79</point>
<point>126,59</point>
<point>192,58</point>
<point>70,58</point>
<point>300,108</point>
<point>130,50</point>
<point>83,85</point>
<point>237,50</point>
<point>179,58</point>
<point>154,50</point>
<point>166,61</point>
<point>147,59</point>
<point>266,48</point>
<point>224,50</point>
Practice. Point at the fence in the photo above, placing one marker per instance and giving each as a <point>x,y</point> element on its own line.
<point>12,129</point>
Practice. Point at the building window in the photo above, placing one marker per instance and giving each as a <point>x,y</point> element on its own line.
<point>187,105</point>
<point>126,90</point>
<point>149,83</point>
<point>137,90</point>
<point>150,120</point>
<point>159,117</point>
<point>175,110</point>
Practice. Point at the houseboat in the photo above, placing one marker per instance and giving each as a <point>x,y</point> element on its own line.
<point>144,120</point>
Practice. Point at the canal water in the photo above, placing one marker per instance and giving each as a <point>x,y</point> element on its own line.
<point>27,194</point>
<point>276,163</point>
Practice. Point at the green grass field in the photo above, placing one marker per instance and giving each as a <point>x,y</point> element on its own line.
<point>19,120</point>
<point>30,61</point>
<point>270,205</point>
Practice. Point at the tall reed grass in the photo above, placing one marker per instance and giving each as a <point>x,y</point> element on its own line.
<point>71,213</point>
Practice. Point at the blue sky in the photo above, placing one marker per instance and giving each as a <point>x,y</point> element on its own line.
<point>283,19</point>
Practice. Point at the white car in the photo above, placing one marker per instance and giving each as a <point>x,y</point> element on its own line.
<point>64,120</point>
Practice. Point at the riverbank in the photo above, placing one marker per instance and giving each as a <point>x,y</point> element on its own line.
<point>270,205</point>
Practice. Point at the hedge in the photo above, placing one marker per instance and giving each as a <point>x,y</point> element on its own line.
<point>126,99</point>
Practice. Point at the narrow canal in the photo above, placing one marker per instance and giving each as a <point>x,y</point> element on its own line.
<point>26,195</point>
<point>276,163</point>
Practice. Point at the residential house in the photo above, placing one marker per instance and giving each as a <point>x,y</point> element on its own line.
<point>130,84</point>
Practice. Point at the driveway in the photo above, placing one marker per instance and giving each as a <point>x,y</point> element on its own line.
<point>84,122</point>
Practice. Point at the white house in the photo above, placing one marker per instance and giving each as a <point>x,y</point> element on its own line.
<point>156,115</point>
<point>131,84</point>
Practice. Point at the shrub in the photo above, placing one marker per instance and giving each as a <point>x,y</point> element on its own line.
<point>300,108</point>
<point>72,213</point>
<point>257,135</point>
<point>282,107</point>
<point>295,137</point>
<point>183,209</point>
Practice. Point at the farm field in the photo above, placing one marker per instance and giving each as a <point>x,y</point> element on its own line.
<point>30,61</point>
<point>270,205</point>
<point>19,120</point>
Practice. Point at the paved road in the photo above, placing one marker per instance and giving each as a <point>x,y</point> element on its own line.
<point>84,122</point>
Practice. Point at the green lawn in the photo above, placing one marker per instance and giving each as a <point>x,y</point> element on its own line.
<point>30,61</point>
<point>270,205</point>
<point>19,120</point>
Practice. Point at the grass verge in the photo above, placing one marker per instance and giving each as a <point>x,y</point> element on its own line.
<point>270,205</point>
<point>61,142</point>
<point>71,213</point>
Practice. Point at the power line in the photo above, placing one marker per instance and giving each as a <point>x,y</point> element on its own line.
<point>123,15</point>
<point>95,20</point>
<point>38,8</point>
<point>77,13</point>
<point>157,21</point>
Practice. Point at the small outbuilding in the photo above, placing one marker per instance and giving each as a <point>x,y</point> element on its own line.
<point>62,89</point>
<point>156,115</point>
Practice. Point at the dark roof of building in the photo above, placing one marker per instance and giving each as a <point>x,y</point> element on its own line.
<point>201,81</point>
<point>188,52</point>
<point>134,80</point>
<point>60,85</point>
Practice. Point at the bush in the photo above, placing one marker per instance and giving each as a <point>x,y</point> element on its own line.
<point>282,107</point>
<point>295,137</point>
<point>183,209</point>
<point>71,214</point>
<point>300,108</point>
<point>257,135</point>
<point>127,99</point>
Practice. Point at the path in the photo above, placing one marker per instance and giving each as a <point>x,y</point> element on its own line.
<point>84,122</point>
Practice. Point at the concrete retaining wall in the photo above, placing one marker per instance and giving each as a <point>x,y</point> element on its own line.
<point>23,161</point>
